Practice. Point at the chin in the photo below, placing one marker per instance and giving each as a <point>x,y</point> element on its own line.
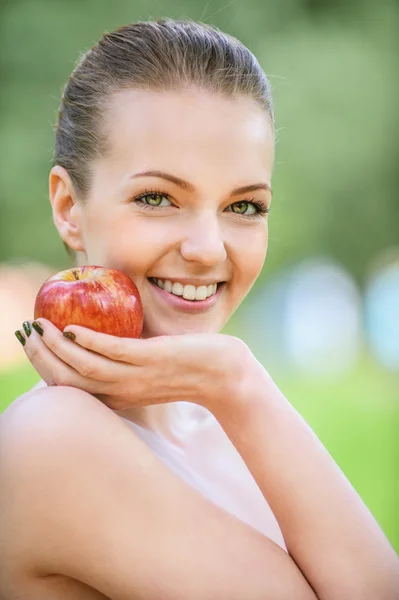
<point>177,328</point>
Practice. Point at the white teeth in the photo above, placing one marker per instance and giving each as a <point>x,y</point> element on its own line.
<point>189,292</point>
<point>167,285</point>
<point>201,292</point>
<point>177,289</point>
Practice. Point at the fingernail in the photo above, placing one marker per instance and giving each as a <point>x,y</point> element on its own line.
<point>27,328</point>
<point>69,335</point>
<point>20,337</point>
<point>37,328</point>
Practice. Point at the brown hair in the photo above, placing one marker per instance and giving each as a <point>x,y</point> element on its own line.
<point>153,55</point>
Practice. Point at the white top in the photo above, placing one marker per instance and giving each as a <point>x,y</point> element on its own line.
<point>210,463</point>
<point>171,455</point>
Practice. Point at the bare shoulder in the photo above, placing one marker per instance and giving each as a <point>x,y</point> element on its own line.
<point>71,470</point>
<point>33,430</point>
<point>42,402</point>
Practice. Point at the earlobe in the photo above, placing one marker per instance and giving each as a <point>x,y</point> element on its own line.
<point>66,208</point>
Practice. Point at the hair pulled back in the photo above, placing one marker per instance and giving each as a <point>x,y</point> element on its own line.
<point>160,55</point>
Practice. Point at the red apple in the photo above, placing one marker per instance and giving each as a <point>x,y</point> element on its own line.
<point>105,300</point>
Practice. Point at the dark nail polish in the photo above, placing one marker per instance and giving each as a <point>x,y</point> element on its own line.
<point>20,337</point>
<point>37,328</point>
<point>27,328</point>
<point>69,335</point>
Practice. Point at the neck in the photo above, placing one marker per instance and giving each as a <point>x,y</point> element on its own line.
<point>172,421</point>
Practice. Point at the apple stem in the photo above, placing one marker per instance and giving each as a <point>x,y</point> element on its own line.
<point>75,275</point>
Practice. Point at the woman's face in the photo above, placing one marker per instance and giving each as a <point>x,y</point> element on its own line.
<point>183,223</point>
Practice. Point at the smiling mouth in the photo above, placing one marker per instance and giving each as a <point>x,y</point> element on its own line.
<point>180,296</point>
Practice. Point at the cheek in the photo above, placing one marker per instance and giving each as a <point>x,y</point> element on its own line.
<point>260,249</point>
<point>250,255</point>
<point>133,245</point>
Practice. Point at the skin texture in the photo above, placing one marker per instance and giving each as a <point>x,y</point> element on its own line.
<point>215,143</point>
<point>128,372</point>
<point>333,541</point>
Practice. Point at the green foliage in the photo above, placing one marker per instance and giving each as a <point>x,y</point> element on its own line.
<point>333,70</point>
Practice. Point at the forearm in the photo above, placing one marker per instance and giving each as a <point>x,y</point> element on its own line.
<point>328,530</point>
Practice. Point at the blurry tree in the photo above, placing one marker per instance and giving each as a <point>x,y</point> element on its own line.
<point>332,67</point>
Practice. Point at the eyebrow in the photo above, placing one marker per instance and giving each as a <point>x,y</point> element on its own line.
<point>185,185</point>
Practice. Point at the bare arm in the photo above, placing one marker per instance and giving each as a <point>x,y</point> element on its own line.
<point>328,530</point>
<point>82,496</point>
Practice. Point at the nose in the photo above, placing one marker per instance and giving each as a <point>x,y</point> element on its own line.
<point>203,241</point>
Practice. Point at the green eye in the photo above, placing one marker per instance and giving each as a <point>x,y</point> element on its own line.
<point>154,199</point>
<point>242,207</point>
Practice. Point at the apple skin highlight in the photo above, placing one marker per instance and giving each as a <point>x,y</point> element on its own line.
<point>105,300</point>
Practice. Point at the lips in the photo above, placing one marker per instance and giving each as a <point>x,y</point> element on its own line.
<point>187,291</point>
<point>183,305</point>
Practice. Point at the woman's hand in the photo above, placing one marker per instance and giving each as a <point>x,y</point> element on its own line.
<point>127,372</point>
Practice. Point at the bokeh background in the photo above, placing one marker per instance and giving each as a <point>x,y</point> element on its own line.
<point>323,317</point>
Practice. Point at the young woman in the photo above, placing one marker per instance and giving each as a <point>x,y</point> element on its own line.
<point>171,467</point>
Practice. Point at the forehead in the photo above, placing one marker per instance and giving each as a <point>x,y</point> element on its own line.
<point>190,130</point>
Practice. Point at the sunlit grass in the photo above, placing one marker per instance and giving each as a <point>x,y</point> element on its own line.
<point>15,382</point>
<point>356,418</point>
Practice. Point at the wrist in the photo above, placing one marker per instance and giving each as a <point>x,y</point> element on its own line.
<point>244,381</point>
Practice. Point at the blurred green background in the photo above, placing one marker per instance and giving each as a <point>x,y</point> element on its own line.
<point>334,221</point>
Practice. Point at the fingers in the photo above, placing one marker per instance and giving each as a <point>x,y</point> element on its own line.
<point>88,364</point>
<point>124,350</point>
<point>50,368</point>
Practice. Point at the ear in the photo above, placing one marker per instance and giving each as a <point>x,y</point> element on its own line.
<point>67,209</point>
